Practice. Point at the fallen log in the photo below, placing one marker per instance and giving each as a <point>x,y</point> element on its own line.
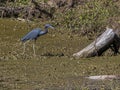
<point>109,39</point>
<point>104,77</point>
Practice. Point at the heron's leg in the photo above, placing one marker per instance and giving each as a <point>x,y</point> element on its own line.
<point>24,46</point>
<point>34,47</point>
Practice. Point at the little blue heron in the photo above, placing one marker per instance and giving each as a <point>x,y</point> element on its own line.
<point>34,34</point>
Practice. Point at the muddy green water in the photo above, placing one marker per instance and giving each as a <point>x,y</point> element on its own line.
<point>53,68</point>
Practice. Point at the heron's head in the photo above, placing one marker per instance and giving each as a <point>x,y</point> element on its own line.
<point>49,26</point>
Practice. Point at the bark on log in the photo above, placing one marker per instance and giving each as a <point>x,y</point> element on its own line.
<point>105,41</point>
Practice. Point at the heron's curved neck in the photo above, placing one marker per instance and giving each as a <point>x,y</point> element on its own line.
<point>46,30</point>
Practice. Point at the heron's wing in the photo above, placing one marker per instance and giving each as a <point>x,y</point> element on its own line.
<point>31,35</point>
<point>42,32</point>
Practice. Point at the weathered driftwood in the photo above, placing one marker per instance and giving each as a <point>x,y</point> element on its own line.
<point>104,77</point>
<point>109,39</point>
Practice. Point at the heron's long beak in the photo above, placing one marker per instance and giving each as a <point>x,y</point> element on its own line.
<point>52,27</point>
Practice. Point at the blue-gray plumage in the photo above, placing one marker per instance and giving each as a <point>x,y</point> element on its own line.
<point>34,34</point>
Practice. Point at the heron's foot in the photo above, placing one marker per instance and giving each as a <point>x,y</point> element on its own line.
<point>34,55</point>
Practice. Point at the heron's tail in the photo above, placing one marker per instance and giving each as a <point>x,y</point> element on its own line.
<point>23,39</point>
